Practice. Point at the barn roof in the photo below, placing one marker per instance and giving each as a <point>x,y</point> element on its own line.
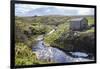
<point>77,19</point>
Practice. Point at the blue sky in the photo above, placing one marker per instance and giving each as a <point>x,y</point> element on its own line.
<point>28,10</point>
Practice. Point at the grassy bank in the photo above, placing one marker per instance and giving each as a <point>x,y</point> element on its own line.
<point>49,39</point>
<point>24,55</point>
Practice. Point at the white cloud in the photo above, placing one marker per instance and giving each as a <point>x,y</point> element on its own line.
<point>81,11</point>
<point>86,11</point>
<point>24,8</point>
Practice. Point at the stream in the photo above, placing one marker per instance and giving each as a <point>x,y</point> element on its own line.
<point>51,54</point>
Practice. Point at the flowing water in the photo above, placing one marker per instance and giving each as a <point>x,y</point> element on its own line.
<point>55,55</point>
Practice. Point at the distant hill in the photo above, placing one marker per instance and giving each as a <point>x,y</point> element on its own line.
<point>47,11</point>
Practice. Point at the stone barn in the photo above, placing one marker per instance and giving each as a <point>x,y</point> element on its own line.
<point>78,24</point>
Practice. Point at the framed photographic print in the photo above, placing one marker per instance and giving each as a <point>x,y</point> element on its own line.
<point>50,34</point>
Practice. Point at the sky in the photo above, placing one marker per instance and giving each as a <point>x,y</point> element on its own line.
<point>31,10</point>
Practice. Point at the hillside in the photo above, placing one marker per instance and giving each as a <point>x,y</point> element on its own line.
<point>27,30</point>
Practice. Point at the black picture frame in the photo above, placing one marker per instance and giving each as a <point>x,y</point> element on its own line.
<point>12,32</point>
